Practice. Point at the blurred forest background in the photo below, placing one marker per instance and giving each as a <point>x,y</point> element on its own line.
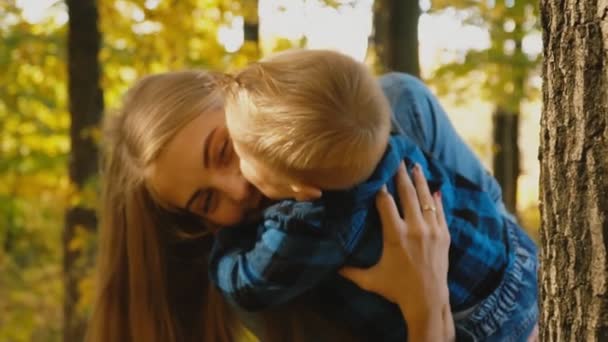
<point>480,56</point>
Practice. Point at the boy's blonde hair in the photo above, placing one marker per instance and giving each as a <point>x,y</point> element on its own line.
<point>316,115</point>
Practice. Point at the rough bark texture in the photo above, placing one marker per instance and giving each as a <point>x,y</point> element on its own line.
<point>574,171</point>
<point>506,155</point>
<point>86,106</point>
<point>396,35</point>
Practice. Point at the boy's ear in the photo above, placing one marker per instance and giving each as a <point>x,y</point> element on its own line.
<point>305,192</point>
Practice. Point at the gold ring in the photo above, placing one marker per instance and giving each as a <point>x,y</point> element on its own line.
<point>429,207</point>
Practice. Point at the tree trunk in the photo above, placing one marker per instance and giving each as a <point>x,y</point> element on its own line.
<point>505,118</point>
<point>574,171</point>
<point>506,155</point>
<point>396,35</point>
<point>252,25</point>
<point>252,28</point>
<point>86,107</point>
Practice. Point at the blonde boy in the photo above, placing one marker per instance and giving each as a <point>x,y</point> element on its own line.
<point>305,120</point>
<point>309,120</point>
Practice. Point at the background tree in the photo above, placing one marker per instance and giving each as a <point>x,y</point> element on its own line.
<point>574,146</point>
<point>86,107</point>
<point>251,28</point>
<point>139,37</point>
<point>504,71</point>
<point>35,189</point>
<point>395,37</point>
<point>33,180</point>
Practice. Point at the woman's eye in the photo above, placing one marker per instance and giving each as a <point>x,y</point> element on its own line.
<point>224,152</point>
<point>207,200</point>
<point>223,149</point>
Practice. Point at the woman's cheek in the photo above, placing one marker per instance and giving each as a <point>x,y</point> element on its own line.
<point>228,214</point>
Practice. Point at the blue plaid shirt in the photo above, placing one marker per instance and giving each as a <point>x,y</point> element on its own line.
<point>300,246</point>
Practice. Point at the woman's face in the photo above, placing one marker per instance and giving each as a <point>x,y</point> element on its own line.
<point>198,171</point>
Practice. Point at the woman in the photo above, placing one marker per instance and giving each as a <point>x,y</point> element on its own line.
<point>170,163</point>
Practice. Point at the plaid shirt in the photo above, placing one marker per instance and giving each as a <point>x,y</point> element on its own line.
<point>300,246</point>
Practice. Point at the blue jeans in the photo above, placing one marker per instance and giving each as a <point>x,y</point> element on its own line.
<point>510,313</point>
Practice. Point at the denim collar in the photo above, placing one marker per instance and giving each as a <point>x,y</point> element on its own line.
<point>398,147</point>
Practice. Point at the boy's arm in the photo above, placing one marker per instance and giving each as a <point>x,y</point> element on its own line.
<point>291,255</point>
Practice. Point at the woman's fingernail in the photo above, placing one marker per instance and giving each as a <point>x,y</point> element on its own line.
<point>383,188</point>
<point>417,167</point>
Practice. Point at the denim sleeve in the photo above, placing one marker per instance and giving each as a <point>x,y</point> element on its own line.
<point>292,254</point>
<point>420,117</point>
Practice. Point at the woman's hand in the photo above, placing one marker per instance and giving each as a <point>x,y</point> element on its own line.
<point>412,271</point>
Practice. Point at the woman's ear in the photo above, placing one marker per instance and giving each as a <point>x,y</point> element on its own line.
<point>303,192</point>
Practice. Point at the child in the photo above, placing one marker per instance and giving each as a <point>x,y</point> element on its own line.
<point>309,120</point>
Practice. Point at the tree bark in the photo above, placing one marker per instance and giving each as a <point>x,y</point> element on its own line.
<point>86,107</point>
<point>574,171</point>
<point>396,35</point>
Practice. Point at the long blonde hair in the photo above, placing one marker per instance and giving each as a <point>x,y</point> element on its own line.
<point>152,282</point>
<point>135,301</point>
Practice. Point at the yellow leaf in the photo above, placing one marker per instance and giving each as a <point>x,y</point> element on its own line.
<point>76,244</point>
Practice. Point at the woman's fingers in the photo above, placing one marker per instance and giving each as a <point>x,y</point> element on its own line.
<point>392,226</point>
<point>427,203</point>
<point>359,276</point>
<point>389,215</point>
<point>442,224</point>
<point>407,193</point>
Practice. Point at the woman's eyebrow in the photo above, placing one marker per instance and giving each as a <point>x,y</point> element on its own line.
<point>206,147</point>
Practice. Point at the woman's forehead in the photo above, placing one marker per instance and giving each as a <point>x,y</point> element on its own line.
<point>178,170</point>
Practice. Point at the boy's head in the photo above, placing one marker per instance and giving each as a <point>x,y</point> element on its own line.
<point>316,118</point>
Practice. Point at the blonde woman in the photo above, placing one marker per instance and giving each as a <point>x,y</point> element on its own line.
<point>155,239</point>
